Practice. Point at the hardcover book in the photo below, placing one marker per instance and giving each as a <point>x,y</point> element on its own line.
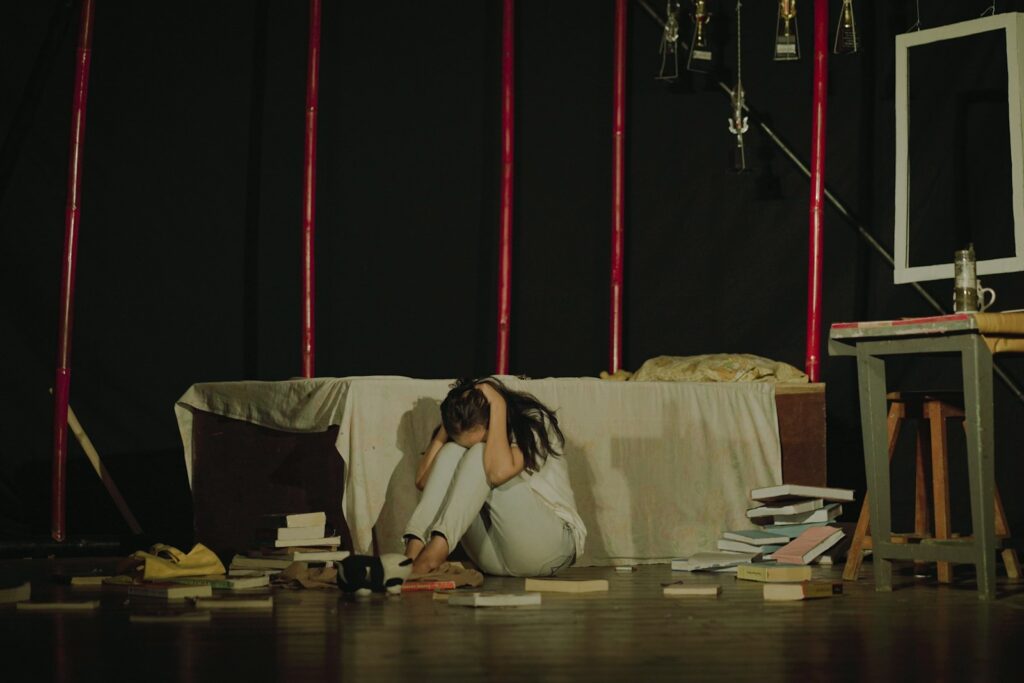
<point>805,590</point>
<point>567,585</point>
<point>808,545</point>
<point>486,599</point>
<point>788,491</point>
<point>767,572</point>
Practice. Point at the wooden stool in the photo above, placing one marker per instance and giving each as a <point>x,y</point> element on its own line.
<point>935,409</point>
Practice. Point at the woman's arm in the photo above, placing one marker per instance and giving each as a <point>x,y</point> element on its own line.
<point>501,461</point>
<point>439,439</point>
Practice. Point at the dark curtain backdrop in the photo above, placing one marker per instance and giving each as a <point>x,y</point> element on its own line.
<point>189,253</point>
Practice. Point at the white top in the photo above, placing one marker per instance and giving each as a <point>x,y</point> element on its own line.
<point>551,484</point>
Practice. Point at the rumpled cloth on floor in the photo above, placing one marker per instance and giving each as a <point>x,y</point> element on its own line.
<point>452,571</point>
<point>165,562</point>
<point>301,575</point>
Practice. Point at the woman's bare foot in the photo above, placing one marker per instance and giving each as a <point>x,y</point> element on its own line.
<point>432,556</point>
<point>413,547</point>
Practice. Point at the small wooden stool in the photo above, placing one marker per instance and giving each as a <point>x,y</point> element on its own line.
<point>934,408</point>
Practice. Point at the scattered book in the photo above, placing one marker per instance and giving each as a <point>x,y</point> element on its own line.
<point>169,616</point>
<point>786,508</point>
<point>791,531</point>
<point>486,599</point>
<point>767,572</point>
<point>326,541</point>
<point>417,586</point>
<point>788,491</point>
<point>90,578</point>
<point>291,533</point>
<point>168,590</point>
<point>73,606</point>
<point>711,561</point>
<point>294,519</point>
<point>740,547</point>
<point>805,590</point>
<point>679,589</point>
<point>821,516</point>
<point>16,592</point>
<point>233,583</point>
<point>264,602</point>
<point>625,569</point>
<point>808,545</point>
<point>567,585</point>
<point>244,563</point>
<point>757,537</point>
<point>293,554</point>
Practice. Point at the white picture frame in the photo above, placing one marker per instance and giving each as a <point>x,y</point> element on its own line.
<point>1013,25</point>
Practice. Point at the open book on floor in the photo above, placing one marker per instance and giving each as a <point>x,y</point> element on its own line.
<point>711,561</point>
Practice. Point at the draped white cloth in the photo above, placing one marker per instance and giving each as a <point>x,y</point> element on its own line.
<point>659,469</point>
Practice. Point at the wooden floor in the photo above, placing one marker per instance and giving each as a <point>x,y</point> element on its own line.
<point>921,631</point>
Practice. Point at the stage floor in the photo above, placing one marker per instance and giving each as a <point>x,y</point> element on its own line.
<point>921,631</point>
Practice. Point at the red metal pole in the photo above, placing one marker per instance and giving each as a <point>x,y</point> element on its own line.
<point>815,249</point>
<point>618,187</point>
<point>62,383</point>
<point>507,166</point>
<point>309,191</point>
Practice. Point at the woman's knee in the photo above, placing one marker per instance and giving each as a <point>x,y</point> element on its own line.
<point>451,451</point>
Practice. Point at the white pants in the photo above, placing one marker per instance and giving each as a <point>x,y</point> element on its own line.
<point>507,530</point>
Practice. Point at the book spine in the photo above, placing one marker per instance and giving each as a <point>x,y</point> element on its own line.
<point>414,586</point>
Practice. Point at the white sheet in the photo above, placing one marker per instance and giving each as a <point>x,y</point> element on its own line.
<point>659,469</point>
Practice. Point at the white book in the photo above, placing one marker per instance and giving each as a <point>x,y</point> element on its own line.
<point>486,599</point>
<point>292,533</point>
<point>293,519</point>
<point>757,537</point>
<point>825,514</point>
<point>787,508</point>
<point>266,602</point>
<point>738,546</point>
<point>786,491</point>
<point>681,590</point>
<point>710,561</point>
<point>333,541</point>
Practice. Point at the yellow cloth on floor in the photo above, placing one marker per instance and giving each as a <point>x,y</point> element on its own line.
<point>165,562</point>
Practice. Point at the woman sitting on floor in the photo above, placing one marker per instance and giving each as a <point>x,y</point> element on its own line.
<point>492,479</point>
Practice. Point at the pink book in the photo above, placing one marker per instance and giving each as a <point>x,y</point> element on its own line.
<point>808,545</point>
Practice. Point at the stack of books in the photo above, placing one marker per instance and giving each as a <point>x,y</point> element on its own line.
<point>785,514</point>
<point>289,537</point>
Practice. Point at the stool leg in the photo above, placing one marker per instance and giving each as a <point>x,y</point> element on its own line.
<point>940,481</point>
<point>871,381</point>
<point>855,555</point>
<point>977,373</point>
<point>1010,558</point>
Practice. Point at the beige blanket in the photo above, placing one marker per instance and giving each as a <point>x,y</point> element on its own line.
<point>659,469</point>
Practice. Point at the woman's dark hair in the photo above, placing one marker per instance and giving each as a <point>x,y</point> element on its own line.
<point>531,425</point>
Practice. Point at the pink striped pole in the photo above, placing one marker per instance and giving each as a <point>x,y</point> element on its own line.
<point>817,208</point>
<point>618,188</point>
<point>72,215</point>
<point>309,192</point>
<point>501,363</point>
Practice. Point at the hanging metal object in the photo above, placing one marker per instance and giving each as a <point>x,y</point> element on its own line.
<point>670,43</point>
<point>738,124</point>
<point>701,55</point>
<point>787,33</point>
<point>846,31</point>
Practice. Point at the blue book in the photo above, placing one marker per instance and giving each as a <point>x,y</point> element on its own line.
<point>757,536</point>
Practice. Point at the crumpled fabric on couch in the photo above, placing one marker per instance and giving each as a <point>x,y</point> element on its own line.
<point>718,367</point>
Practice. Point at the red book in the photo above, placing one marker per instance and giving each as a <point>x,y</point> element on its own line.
<point>412,586</point>
<point>808,545</point>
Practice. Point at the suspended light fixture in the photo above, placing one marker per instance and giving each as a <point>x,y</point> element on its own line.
<point>701,56</point>
<point>738,124</point>
<point>846,31</point>
<point>670,43</point>
<point>787,33</point>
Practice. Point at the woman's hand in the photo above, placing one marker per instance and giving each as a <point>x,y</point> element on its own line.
<point>427,461</point>
<point>490,393</point>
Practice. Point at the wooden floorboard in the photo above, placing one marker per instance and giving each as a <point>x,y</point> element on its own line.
<point>921,631</point>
